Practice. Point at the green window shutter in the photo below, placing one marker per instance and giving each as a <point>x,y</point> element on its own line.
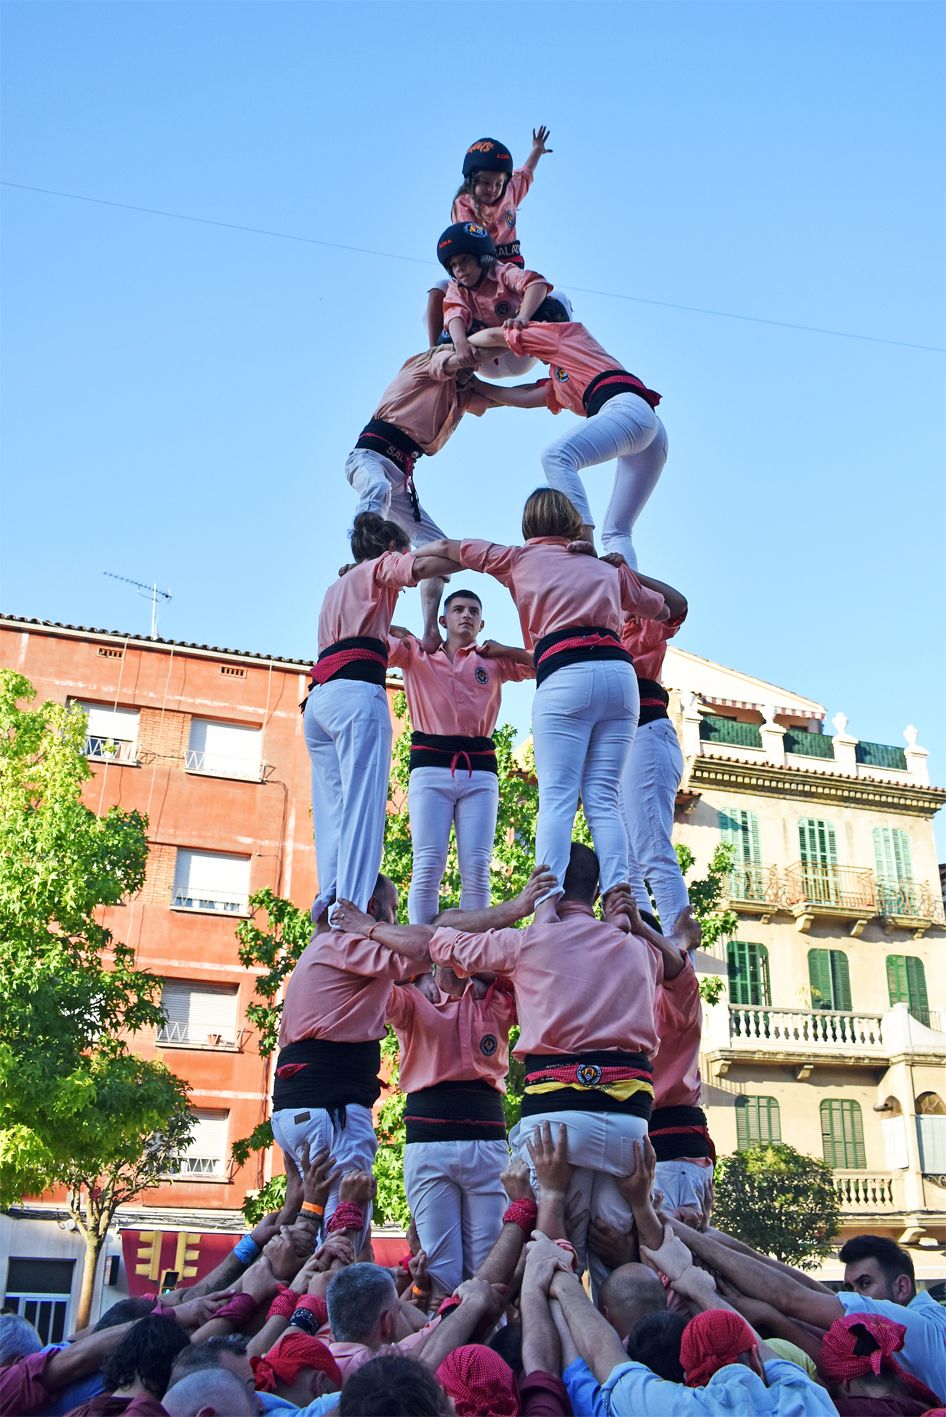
<point>898,990</point>
<point>892,855</point>
<point>918,1000</point>
<point>841,980</point>
<point>747,966</point>
<point>816,841</point>
<point>757,1121</point>
<point>830,979</point>
<point>842,1135</point>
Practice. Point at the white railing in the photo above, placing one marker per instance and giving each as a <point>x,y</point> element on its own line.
<point>807,1029</point>
<point>225,905</point>
<point>865,1192</point>
<point>200,1166</point>
<point>102,749</point>
<point>198,1037</point>
<point>220,765</point>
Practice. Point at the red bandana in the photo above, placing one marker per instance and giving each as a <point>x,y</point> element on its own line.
<point>711,1341</point>
<point>481,1383</point>
<point>293,1353</point>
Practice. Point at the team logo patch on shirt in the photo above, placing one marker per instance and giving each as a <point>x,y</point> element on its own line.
<point>482,677</point>
<point>503,308</point>
<point>509,218</point>
<point>560,374</point>
<point>588,1074</point>
<point>488,1044</point>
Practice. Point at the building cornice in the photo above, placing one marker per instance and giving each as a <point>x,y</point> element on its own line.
<point>766,780</point>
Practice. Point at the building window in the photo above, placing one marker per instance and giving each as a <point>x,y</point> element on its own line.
<point>842,1135</point>
<point>223,750</point>
<point>203,1015</point>
<point>819,858</point>
<point>747,966</point>
<point>931,1133</point>
<point>740,829</point>
<point>757,1122</point>
<point>112,733</point>
<point>39,1290</point>
<point>209,880</point>
<point>207,1153</point>
<point>829,977</point>
<point>906,984</point>
<point>895,888</point>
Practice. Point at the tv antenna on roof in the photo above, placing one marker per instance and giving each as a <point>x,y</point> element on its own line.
<point>151,591</point>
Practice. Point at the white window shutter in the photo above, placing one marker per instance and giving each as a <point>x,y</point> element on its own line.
<point>209,880</point>
<point>893,1130</point>
<point>223,749</point>
<point>195,1012</point>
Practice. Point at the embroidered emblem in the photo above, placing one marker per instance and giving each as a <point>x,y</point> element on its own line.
<point>481,676</point>
<point>489,1044</point>
<point>588,1074</point>
<point>509,217</point>
<point>560,374</point>
<point>503,308</point>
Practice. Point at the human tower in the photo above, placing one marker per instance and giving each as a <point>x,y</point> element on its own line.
<point>607,1005</point>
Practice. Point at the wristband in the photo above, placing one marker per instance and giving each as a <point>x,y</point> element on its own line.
<point>315,1304</point>
<point>283,1306</point>
<point>569,1249</point>
<point>247,1250</point>
<point>369,933</point>
<point>417,1292</point>
<point>522,1212</point>
<point>348,1216</point>
<point>304,1319</point>
<point>238,1310</point>
<point>311,1209</point>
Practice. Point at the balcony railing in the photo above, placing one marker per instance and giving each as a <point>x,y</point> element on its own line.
<point>865,1192</point>
<point>201,1166</point>
<point>197,1036</point>
<point>769,1030</point>
<point>755,885</point>
<point>110,750</point>
<point>224,905</point>
<point>221,765</point>
<point>839,887</point>
<point>909,900</point>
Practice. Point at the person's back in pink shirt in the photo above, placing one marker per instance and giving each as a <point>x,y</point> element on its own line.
<point>573,355</point>
<point>361,602</point>
<point>426,400</point>
<point>339,990</point>
<point>646,643</point>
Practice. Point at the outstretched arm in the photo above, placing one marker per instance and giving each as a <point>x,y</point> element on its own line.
<point>428,564</point>
<point>521,395</point>
<point>540,137</point>
<point>504,915</point>
<point>411,941</point>
<point>676,601</point>
<point>591,1333</point>
<point>493,338</point>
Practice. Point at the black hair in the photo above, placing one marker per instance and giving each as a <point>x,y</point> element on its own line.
<point>507,1342</point>
<point>392,1386</point>
<point>655,1341</point>
<point>372,535</point>
<point>147,1352</point>
<point>891,1259</point>
<point>207,1354</point>
<point>123,1312</point>
<point>551,312</point>
<point>463,595</point>
<point>581,877</point>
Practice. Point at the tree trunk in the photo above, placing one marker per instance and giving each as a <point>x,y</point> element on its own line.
<point>93,1248</point>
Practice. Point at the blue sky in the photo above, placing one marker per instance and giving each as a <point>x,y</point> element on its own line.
<point>179,397</point>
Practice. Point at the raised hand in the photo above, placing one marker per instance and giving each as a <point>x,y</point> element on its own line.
<point>348,917</point>
<point>193,1313</point>
<point>540,881</point>
<point>337,1252</point>
<point>317,1174</point>
<point>359,1187</point>
<point>638,1186</point>
<point>612,1246</point>
<point>516,1181</point>
<point>540,137</point>
<point>614,558</point>
<point>282,1256</point>
<point>553,1170</point>
<point>672,1257</point>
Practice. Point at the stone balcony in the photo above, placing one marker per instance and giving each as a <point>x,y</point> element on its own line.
<point>864,1193</point>
<point>851,895</point>
<point>805,1038</point>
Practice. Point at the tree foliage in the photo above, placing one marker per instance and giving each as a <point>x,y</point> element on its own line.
<point>779,1201</point>
<point>77,1107</point>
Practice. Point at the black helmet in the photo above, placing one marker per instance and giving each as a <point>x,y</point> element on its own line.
<point>487,156</point>
<point>464,238</point>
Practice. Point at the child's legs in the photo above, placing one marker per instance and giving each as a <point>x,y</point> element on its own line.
<point>326,800</point>
<point>652,776</point>
<point>419,529</point>
<point>475,821</point>
<point>373,477</point>
<point>634,480</point>
<point>562,720</point>
<point>433,315</point>
<point>431,794</point>
<point>361,728</point>
<point>618,703</point>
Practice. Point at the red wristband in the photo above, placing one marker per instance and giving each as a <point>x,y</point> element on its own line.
<point>348,1216</point>
<point>316,1305</point>
<point>522,1212</point>
<point>284,1305</point>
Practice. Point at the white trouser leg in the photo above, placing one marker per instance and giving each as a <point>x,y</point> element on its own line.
<point>635,478</point>
<point>608,750</point>
<point>435,1200</point>
<point>353,716</point>
<point>480,1165</point>
<point>624,426</point>
<point>379,483</point>
<point>430,803</point>
<point>475,822</point>
<point>326,803</point>
<point>649,790</point>
<point>302,1131</point>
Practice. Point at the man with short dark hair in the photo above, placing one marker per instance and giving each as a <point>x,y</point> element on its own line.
<point>364,1316</point>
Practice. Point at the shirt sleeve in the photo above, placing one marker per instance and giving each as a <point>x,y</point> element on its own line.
<point>456,302</point>
<point>785,1376</point>
<point>436,366</point>
<point>463,209</point>
<point>583,1388</point>
<point>637,599</point>
<point>678,1003</point>
<point>490,558</point>
<point>493,950</point>
<point>519,184</point>
<point>543,1395</point>
<point>366,959</point>
<point>472,401</point>
<point>631,1389</point>
<point>924,1343</point>
<point>511,671</point>
<point>22,1388</point>
<point>400,652</point>
<point>538,338</point>
<point>400,1008</point>
<point>521,280</point>
<point>395,569</point>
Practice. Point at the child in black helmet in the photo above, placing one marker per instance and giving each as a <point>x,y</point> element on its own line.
<point>483,291</point>
<point>490,196</point>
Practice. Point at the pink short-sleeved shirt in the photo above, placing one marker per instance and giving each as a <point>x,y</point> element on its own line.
<point>556,589</point>
<point>499,218</point>
<point>581,984</point>
<point>497,297</point>
<point>646,643</point>
<point>361,602</point>
<point>425,401</point>
<point>455,1040</point>
<point>679,1021</point>
<point>339,990</point>
<point>459,696</point>
<point>573,356</point>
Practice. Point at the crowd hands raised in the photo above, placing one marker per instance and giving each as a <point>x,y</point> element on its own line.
<point>300,1319</point>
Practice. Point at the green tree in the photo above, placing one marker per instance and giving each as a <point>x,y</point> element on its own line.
<point>779,1201</point>
<point>77,1107</point>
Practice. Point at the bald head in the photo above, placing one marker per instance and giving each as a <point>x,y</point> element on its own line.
<point>628,1293</point>
<point>210,1392</point>
<point>383,902</point>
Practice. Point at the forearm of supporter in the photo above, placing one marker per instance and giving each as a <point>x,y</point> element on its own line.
<point>593,1336</point>
<point>494,338</point>
<point>731,1243</point>
<point>459,1324</point>
<point>521,395</point>
<point>535,292</point>
<point>84,1356</point>
<point>498,918</point>
<point>760,1281</point>
<point>541,1351</point>
<point>676,602</point>
<point>638,599</point>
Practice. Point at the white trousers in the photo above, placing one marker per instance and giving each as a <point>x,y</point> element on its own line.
<point>601,1146</point>
<point>436,800</point>
<point>379,483</point>
<point>457,1201</point>
<point>583,721</point>
<point>348,734</point>
<point>649,791</point>
<point>626,428</point>
<point>302,1131</point>
<point>682,1184</point>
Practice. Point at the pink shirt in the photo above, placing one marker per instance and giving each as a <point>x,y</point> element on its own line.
<point>500,217</point>
<point>458,696</point>
<point>352,1356</point>
<point>497,297</point>
<point>555,589</point>
<point>573,357</point>
<point>339,990</point>
<point>581,984</point>
<point>455,1040</point>
<point>679,1021</point>
<point>425,401</point>
<point>646,643</point>
<point>361,602</point>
